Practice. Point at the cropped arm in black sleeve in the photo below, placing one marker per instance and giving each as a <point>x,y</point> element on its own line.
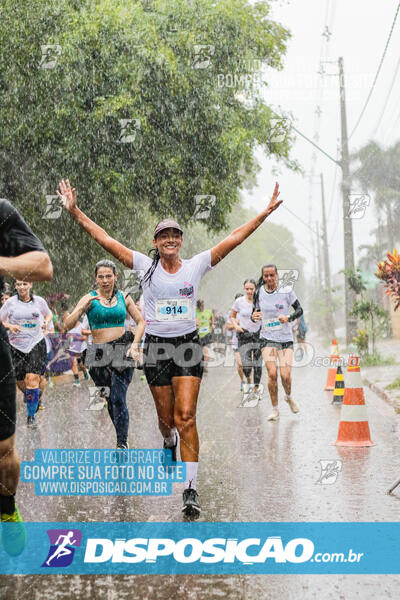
<point>298,311</point>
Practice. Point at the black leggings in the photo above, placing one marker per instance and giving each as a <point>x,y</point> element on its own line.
<point>113,372</point>
<point>250,354</point>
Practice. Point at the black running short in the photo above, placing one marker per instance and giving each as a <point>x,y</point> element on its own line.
<point>206,339</point>
<point>277,345</point>
<point>165,358</point>
<point>7,388</point>
<point>29,362</point>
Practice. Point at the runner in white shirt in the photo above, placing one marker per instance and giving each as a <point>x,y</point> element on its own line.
<point>272,306</point>
<point>26,317</point>
<point>173,353</point>
<point>234,342</point>
<point>248,333</point>
<point>77,344</point>
<point>45,374</point>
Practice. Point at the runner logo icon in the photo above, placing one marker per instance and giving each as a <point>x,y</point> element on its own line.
<point>62,547</point>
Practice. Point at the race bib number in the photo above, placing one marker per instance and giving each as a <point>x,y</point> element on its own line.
<point>203,330</point>
<point>179,309</point>
<point>272,325</point>
<point>29,324</point>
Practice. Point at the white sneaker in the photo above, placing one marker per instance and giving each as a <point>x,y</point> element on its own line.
<point>274,416</point>
<point>294,407</point>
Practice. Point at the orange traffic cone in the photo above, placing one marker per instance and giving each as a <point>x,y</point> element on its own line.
<point>334,359</point>
<point>353,426</point>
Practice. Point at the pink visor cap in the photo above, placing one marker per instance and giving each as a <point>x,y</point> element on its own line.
<point>166,224</point>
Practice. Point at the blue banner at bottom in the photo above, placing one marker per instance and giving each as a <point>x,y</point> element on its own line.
<point>197,548</point>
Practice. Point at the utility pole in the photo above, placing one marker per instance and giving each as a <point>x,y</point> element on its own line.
<point>328,291</point>
<point>319,256</point>
<point>350,296</point>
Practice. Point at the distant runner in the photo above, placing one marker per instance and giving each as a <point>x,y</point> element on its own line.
<point>272,307</point>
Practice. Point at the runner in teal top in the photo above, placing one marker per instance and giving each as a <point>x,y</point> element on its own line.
<point>108,356</point>
<point>101,316</point>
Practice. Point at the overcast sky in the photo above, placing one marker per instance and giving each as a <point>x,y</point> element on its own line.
<point>359,30</point>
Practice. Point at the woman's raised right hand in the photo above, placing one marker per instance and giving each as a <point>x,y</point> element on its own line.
<point>67,195</point>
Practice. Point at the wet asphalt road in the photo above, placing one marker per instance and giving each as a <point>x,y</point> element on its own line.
<point>250,470</point>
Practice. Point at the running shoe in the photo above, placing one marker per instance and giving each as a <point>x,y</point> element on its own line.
<point>86,375</point>
<point>40,406</point>
<point>29,421</point>
<point>13,534</point>
<point>143,377</point>
<point>123,446</point>
<point>191,504</point>
<point>173,448</point>
<point>274,415</point>
<point>294,407</point>
<point>241,386</point>
<point>77,384</point>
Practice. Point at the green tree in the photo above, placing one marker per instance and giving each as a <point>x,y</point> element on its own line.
<point>379,173</point>
<point>127,103</point>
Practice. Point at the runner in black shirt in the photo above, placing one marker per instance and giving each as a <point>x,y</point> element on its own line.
<point>22,256</point>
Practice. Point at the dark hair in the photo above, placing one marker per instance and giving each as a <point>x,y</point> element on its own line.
<point>260,282</point>
<point>249,281</point>
<point>238,295</point>
<point>64,305</point>
<point>109,264</point>
<point>199,303</point>
<point>149,273</point>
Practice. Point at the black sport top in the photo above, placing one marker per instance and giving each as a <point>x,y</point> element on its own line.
<point>16,237</point>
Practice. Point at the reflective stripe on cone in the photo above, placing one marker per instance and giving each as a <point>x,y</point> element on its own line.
<point>353,427</point>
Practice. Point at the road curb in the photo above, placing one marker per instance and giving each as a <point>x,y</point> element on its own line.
<point>382,394</point>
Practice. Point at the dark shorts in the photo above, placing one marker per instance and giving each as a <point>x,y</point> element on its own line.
<point>7,388</point>
<point>165,358</point>
<point>30,362</point>
<point>205,340</point>
<point>277,345</point>
<point>110,354</point>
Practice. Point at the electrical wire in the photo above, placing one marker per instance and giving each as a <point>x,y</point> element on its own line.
<point>377,73</point>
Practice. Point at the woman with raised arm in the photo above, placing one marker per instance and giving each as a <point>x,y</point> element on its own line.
<point>107,309</point>
<point>173,355</point>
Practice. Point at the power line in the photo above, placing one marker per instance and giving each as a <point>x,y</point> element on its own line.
<point>377,73</point>
<point>387,98</point>
<point>316,145</point>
